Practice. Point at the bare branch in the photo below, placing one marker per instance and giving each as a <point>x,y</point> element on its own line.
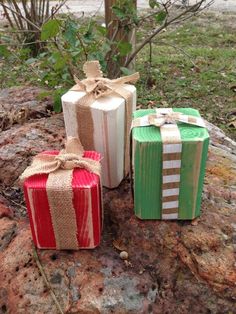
<point>193,8</point>
<point>47,283</point>
<point>19,14</point>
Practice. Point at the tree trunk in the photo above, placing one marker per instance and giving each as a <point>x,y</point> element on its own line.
<point>117,32</point>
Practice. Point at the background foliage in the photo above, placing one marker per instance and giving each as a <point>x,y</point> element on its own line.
<point>188,64</point>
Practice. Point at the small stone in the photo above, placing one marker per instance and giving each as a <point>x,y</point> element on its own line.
<point>225,237</point>
<point>124,255</point>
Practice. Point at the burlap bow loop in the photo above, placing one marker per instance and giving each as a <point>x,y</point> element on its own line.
<point>165,118</point>
<point>69,158</point>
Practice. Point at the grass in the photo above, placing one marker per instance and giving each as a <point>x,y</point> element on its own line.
<point>193,66</point>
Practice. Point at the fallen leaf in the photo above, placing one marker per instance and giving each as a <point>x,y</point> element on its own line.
<point>233,88</point>
<point>195,222</point>
<point>232,123</point>
<point>119,245</point>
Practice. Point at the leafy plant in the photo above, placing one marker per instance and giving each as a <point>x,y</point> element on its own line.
<point>68,42</point>
<point>27,17</point>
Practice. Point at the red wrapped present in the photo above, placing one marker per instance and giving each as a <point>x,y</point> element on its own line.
<point>63,197</point>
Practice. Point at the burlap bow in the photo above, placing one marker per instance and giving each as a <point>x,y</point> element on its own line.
<point>69,158</point>
<point>59,188</point>
<point>96,86</point>
<point>167,116</point>
<point>166,119</point>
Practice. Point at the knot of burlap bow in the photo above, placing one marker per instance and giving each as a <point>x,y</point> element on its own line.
<point>59,188</point>
<point>96,86</point>
<point>69,158</point>
<point>161,119</point>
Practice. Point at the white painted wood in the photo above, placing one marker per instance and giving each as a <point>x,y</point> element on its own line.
<point>111,108</point>
<point>170,216</point>
<point>173,204</point>
<point>171,164</point>
<point>170,192</point>
<point>172,148</point>
<point>171,178</point>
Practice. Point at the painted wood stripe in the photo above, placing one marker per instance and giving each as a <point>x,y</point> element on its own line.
<point>183,118</point>
<point>171,156</point>
<point>170,134</point>
<point>135,123</point>
<point>170,127</point>
<point>170,216</point>
<point>170,192</point>
<point>170,211</point>
<point>173,204</point>
<point>170,198</point>
<point>192,120</point>
<point>166,172</point>
<point>171,179</point>
<point>171,164</point>
<point>144,121</point>
<point>33,214</point>
<point>172,148</point>
<point>164,110</point>
<point>170,185</point>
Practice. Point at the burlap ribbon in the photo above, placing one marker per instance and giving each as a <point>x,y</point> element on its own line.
<point>59,188</point>
<point>166,119</point>
<point>96,86</point>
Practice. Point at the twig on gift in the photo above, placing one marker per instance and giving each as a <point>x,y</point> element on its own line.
<point>40,267</point>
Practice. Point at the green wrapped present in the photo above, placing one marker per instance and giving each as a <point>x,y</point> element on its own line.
<point>169,153</point>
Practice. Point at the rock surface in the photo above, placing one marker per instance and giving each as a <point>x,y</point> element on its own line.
<point>173,267</point>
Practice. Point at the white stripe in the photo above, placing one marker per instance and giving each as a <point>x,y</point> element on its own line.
<point>170,192</point>
<point>144,121</point>
<point>89,223</point>
<point>164,110</point>
<point>170,216</point>
<point>170,127</point>
<point>174,204</point>
<point>169,133</point>
<point>201,122</point>
<point>171,164</point>
<point>171,178</point>
<point>172,148</point>
<point>33,214</point>
<point>184,118</point>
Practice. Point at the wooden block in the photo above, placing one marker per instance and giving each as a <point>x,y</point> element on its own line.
<point>159,190</point>
<point>87,205</point>
<point>108,115</point>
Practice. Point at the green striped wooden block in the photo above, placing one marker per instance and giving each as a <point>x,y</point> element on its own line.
<point>152,187</point>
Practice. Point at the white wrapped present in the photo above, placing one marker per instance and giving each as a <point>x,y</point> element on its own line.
<point>99,112</point>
